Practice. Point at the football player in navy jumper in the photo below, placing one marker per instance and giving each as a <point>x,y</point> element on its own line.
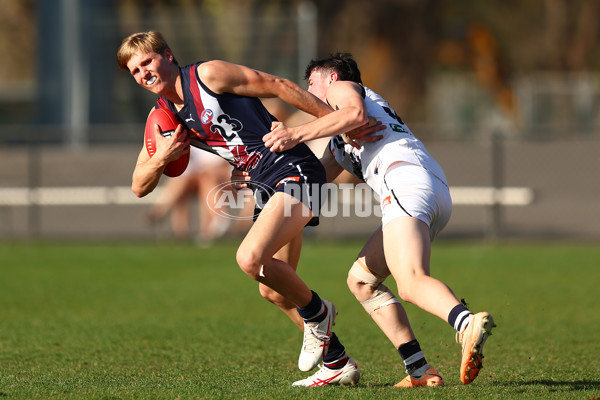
<point>219,109</point>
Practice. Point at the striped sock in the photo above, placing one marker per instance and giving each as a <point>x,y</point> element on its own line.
<point>338,363</point>
<point>459,317</point>
<point>314,311</point>
<point>414,360</point>
<point>336,353</point>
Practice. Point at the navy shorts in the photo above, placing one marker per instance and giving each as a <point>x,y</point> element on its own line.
<point>302,180</point>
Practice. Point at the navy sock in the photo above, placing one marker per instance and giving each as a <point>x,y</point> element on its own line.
<point>459,317</point>
<point>336,356</point>
<point>313,310</point>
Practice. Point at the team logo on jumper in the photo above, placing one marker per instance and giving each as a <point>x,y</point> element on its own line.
<point>386,201</point>
<point>206,116</point>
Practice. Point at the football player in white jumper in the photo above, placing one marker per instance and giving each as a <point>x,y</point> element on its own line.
<point>415,204</point>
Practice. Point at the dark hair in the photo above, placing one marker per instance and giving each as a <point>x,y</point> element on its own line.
<point>341,63</point>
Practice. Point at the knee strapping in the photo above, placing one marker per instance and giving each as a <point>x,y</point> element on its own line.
<point>364,274</point>
<point>382,295</point>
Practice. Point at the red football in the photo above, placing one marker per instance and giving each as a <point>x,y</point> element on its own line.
<point>167,122</point>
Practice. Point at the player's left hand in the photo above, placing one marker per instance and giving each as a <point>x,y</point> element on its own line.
<point>280,138</point>
<point>364,133</point>
<point>238,179</point>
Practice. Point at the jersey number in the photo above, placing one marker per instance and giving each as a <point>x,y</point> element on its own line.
<point>393,114</point>
<point>395,127</point>
<point>227,128</point>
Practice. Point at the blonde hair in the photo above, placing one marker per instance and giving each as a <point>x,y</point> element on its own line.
<point>151,41</point>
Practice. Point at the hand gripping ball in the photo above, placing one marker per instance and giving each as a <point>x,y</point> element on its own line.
<point>167,122</point>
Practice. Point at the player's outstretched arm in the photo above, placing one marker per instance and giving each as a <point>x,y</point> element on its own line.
<point>350,113</point>
<point>223,77</point>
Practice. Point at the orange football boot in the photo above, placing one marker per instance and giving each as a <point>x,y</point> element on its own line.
<point>430,378</point>
<point>472,340</point>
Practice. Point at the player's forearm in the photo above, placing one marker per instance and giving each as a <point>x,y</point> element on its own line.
<point>146,177</point>
<point>335,123</point>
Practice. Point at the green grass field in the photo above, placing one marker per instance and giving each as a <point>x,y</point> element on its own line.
<point>168,321</point>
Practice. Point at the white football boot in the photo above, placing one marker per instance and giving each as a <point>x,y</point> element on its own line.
<point>316,339</point>
<point>348,375</point>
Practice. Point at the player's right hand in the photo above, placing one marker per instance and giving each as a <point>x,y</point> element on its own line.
<point>172,147</point>
<point>280,138</point>
<point>364,133</point>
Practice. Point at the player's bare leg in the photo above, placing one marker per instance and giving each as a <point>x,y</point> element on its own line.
<point>290,253</point>
<point>344,370</point>
<point>281,220</point>
<point>392,318</point>
<point>365,280</point>
<point>407,248</point>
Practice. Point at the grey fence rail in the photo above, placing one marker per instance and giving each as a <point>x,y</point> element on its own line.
<point>505,188</point>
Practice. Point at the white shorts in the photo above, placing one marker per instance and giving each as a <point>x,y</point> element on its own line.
<point>411,190</point>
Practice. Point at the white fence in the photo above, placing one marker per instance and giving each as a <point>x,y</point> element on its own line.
<point>122,195</point>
